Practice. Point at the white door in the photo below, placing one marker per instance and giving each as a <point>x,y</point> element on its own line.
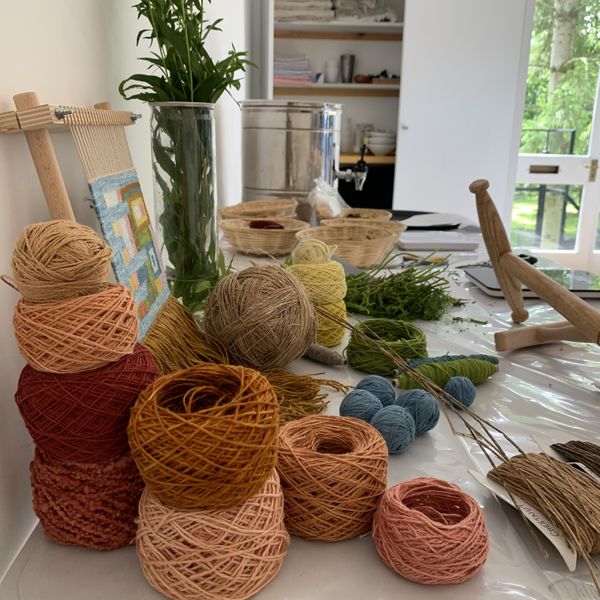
<point>463,76</point>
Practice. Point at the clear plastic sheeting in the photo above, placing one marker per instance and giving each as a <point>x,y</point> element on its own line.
<point>549,392</point>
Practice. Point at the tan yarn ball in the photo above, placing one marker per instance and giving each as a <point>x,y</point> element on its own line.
<point>76,335</point>
<point>312,251</point>
<point>325,282</point>
<point>263,316</point>
<point>56,260</point>
<point>213,554</point>
<point>333,473</point>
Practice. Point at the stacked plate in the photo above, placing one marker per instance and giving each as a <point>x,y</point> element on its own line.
<point>381,143</point>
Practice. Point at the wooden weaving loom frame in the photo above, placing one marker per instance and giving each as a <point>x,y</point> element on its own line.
<point>583,322</point>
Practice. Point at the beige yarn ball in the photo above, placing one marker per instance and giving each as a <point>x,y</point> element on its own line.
<point>213,554</point>
<point>312,251</point>
<point>263,316</point>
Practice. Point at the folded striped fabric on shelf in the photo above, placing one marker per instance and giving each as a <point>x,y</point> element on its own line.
<point>304,10</point>
<point>364,10</point>
<point>293,70</point>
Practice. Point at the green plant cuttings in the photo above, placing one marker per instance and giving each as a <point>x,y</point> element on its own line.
<point>417,292</point>
<point>180,70</point>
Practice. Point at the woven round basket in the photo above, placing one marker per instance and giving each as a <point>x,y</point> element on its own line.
<point>260,209</point>
<point>360,245</point>
<point>395,227</point>
<point>272,242</point>
<point>371,214</point>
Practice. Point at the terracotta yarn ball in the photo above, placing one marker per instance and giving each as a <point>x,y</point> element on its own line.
<point>263,316</point>
<point>205,437</point>
<point>93,505</point>
<point>431,532</point>
<point>57,260</point>
<point>83,417</point>
<point>333,472</point>
<point>77,335</point>
<point>213,554</point>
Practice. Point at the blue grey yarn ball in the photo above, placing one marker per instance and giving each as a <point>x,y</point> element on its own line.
<point>423,407</point>
<point>462,389</point>
<point>397,427</point>
<point>360,404</point>
<point>380,387</point>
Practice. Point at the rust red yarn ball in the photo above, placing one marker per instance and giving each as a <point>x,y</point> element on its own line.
<point>93,505</point>
<point>82,417</point>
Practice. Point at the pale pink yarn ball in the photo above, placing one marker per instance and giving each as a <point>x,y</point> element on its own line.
<point>431,532</point>
<point>213,554</point>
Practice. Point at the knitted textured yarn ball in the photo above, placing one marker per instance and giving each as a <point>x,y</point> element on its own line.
<point>360,404</point>
<point>213,554</point>
<point>93,505</point>
<point>83,417</point>
<point>205,437</point>
<point>396,426</point>
<point>423,407</point>
<point>333,472</point>
<point>263,316</point>
<point>79,334</point>
<point>463,389</point>
<point>431,532</point>
<point>380,387</point>
<point>57,260</point>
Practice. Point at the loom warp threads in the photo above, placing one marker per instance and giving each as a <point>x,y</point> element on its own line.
<point>430,532</point>
<point>325,281</point>
<point>263,316</point>
<point>333,472</point>
<point>380,387</point>
<point>213,554</point>
<point>57,260</point>
<point>398,337</point>
<point>205,436</point>
<point>82,417</point>
<point>79,334</point>
<point>397,427</point>
<point>93,505</point>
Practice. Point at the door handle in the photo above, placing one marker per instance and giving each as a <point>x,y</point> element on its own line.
<point>593,167</point>
<point>544,169</point>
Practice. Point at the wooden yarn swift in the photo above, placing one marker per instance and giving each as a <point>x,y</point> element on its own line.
<point>583,322</point>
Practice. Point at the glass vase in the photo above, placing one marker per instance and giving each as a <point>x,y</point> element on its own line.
<point>185,197</point>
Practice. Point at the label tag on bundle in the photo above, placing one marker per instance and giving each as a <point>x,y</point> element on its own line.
<point>541,522</point>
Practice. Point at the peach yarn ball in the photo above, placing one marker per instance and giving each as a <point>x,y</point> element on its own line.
<point>213,554</point>
<point>333,472</point>
<point>430,532</point>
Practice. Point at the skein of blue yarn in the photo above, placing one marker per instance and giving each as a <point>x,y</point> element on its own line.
<point>462,389</point>
<point>397,427</point>
<point>380,387</point>
<point>360,404</point>
<point>423,407</point>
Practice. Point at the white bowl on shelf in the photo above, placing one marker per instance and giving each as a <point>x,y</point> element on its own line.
<point>381,149</point>
<point>381,135</point>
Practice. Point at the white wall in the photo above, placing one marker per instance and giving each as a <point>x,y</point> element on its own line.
<point>71,51</point>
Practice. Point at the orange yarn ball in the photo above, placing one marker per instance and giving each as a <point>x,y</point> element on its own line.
<point>213,554</point>
<point>431,532</point>
<point>333,472</point>
<point>79,334</point>
<point>205,437</point>
<point>57,260</point>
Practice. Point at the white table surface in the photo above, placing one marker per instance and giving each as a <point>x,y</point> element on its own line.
<point>549,391</point>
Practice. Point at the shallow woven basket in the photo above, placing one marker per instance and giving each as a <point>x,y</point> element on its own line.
<point>360,245</point>
<point>371,214</point>
<point>272,242</point>
<point>260,209</point>
<point>393,226</point>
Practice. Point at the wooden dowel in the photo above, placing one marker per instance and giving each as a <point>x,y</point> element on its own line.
<point>524,337</point>
<point>497,244</point>
<point>46,164</point>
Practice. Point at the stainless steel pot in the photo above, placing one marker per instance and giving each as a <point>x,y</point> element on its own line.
<point>286,145</point>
